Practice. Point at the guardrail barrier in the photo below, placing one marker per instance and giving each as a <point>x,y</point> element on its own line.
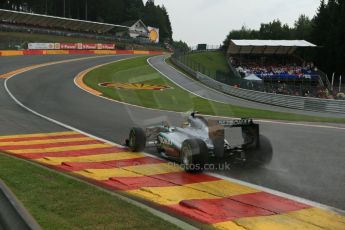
<point>12,214</point>
<point>288,101</point>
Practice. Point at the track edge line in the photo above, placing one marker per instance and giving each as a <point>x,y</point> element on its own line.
<point>275,192</point>
<point>153,211</point>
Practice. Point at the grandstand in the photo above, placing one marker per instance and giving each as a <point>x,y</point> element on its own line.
<point>46,21</point>
<point>14,21</point>
<point>274,64</point>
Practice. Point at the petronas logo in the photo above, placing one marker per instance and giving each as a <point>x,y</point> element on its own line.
<point>134,86</point>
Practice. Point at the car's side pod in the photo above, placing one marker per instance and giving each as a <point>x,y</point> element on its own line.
<point>216,134</point>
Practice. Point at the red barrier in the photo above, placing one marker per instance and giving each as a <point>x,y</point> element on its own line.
<point>156,52</point>
<point>124,51</point>
<point>81,52</point>
<point>33,52</point>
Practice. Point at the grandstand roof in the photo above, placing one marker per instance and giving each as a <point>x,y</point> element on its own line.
<point>54,22</point>
<point>266,46</point>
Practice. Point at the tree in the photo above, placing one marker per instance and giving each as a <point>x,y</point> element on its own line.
<point>302,28</point>
<point>274,30</point>
<point>109,11</point>
<point>157,16</point>
<point>326,29</point>
<point>180,46</point>
<point>243,33</point>
<point>328,32</point>
<point>134,10</point>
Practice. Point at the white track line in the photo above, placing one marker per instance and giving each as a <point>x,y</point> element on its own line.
<point>302,200</point>
<point>228,95</point>
<point>195,94</point>
<point>281,194</point>
<point>213,116</point>
<point>155,212</point>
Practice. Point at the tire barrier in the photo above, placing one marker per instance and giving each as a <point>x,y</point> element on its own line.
<point>292,102</point>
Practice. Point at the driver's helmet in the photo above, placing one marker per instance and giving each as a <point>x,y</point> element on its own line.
<point>196,122</point>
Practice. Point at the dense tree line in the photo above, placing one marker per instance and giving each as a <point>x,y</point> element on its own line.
<point>326,29</point>
<point>108,11</point>
<point>180,46</point>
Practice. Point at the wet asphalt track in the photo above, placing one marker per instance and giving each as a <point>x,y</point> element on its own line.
<point>308,161</point>
<point>8,64</point>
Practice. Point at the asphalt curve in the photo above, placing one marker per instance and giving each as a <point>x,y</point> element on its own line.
<point>198,88</point>
<point>11,63</point>
<point>308,161</point>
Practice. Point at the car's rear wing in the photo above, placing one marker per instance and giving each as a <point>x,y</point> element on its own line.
<point>250,132</point>
<point>235,123</point>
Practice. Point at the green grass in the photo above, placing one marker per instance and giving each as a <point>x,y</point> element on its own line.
<point>214,60</point>
<point>58,202</point>
<point>176,99</point>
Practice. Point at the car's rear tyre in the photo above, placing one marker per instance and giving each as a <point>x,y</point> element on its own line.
<point>194,155</point>
<point>137,140</point>
<point>261,155</point>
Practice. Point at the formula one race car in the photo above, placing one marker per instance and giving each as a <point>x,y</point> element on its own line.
<point>200,140</point>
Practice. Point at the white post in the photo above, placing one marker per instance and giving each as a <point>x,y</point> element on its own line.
<point>340,84</point>
<point>333,80</point>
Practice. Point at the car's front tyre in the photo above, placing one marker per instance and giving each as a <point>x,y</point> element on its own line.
<point>137,140</point>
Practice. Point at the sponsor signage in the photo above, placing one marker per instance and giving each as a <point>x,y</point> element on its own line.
<point>89,46</point>
<point>153,34</point>
<point>234,123</point>
<point>57,46</point>
<point>70,46</point>
<point>107,46</point>
<point>41,46</point>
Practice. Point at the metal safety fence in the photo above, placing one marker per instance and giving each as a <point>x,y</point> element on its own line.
<point>311,87</point>
<point>288,101</point>
<point>13,215</point>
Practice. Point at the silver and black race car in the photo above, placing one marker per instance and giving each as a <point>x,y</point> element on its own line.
<point>199,141</point>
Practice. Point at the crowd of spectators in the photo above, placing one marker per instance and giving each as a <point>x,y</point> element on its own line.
<point>339,95</point>
<point>300,90</point>
<point>304,90</point>
<point>271,70</point>
<point>283,75</point>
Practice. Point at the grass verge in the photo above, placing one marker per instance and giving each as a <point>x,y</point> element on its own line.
<point>212,60</point>
<point>58,202</point>
<point>176,99</point>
